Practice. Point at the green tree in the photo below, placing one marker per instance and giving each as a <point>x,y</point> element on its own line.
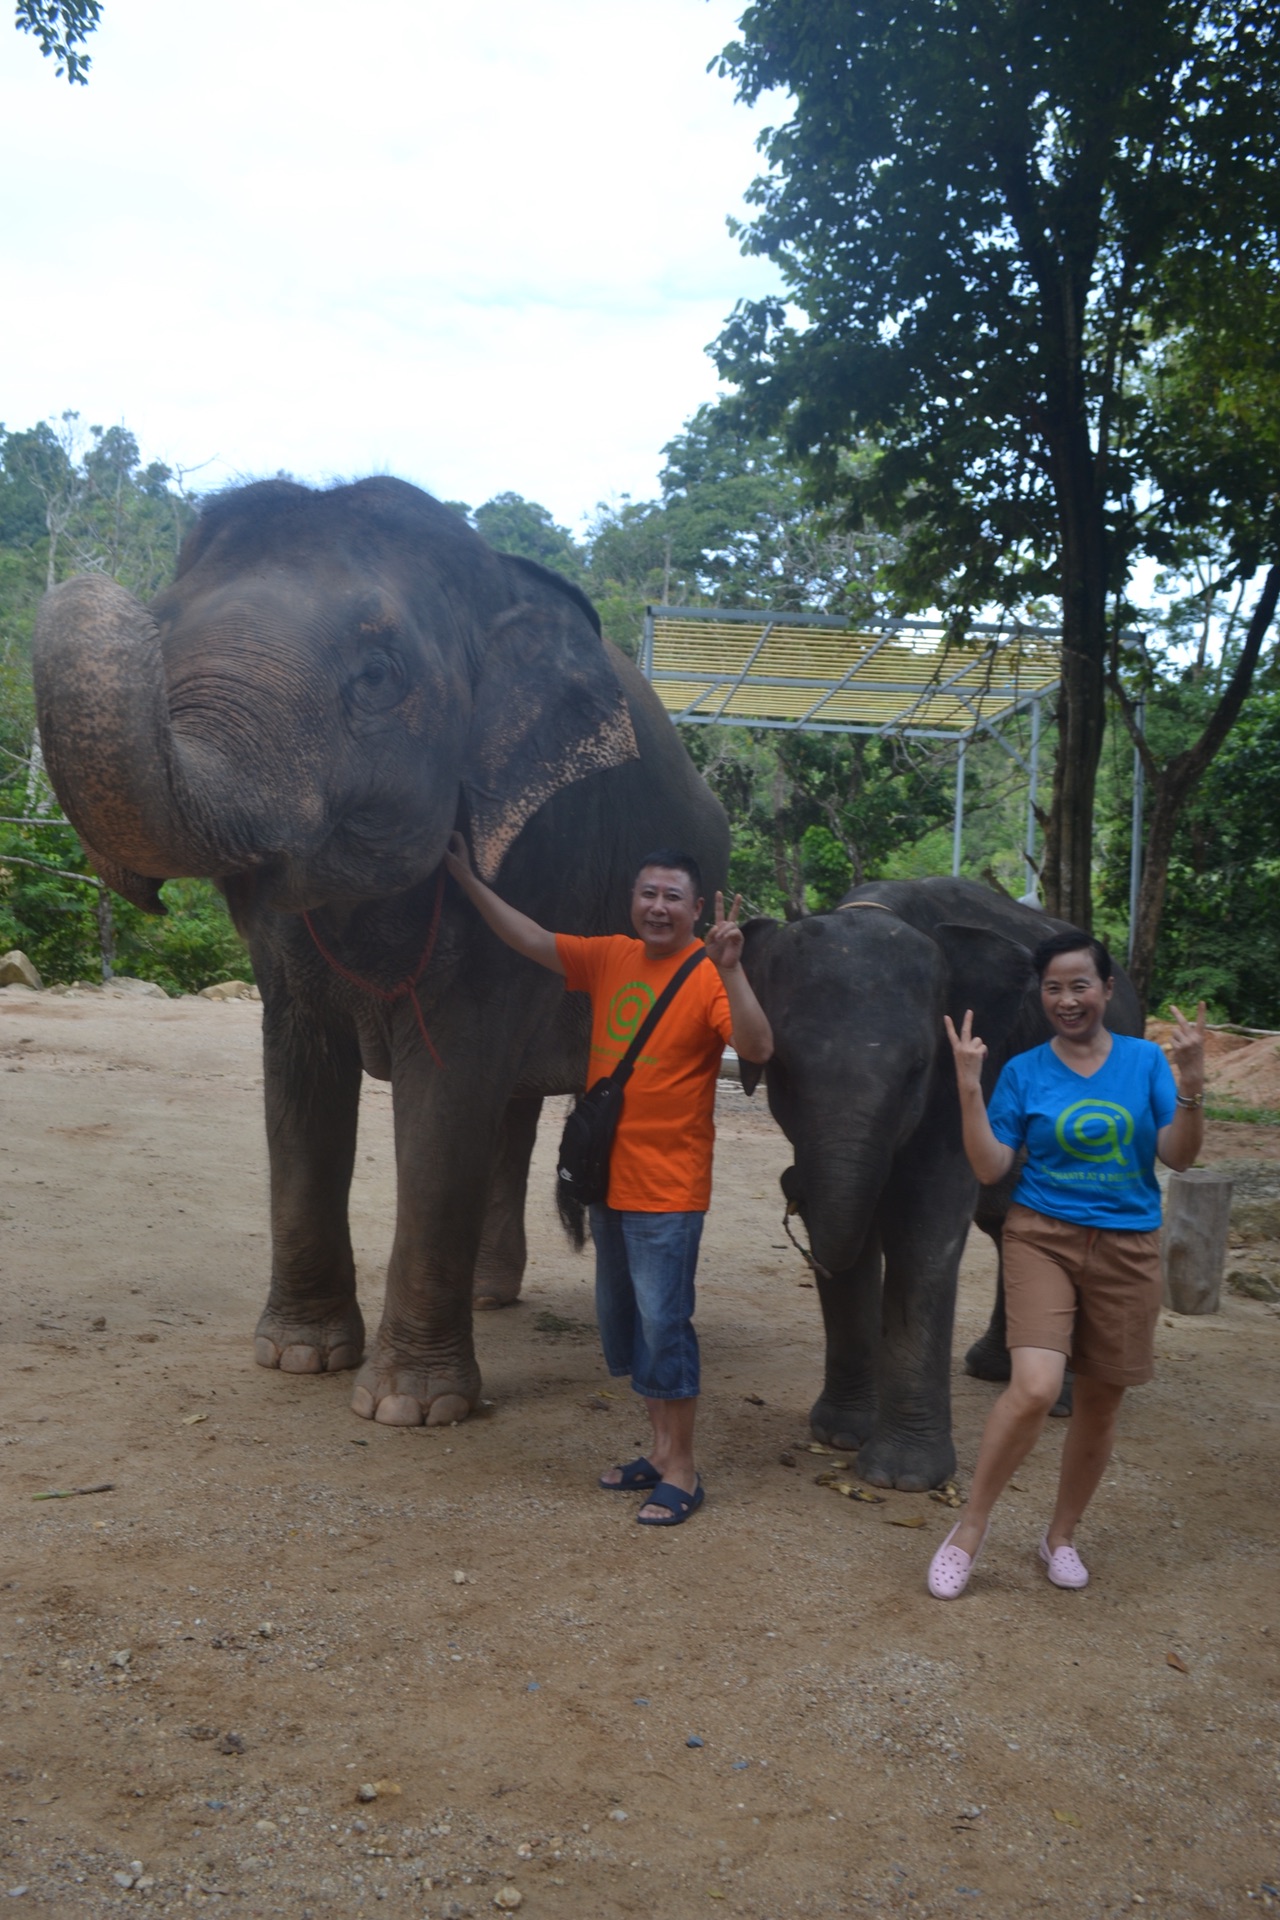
<point>61,27</point>
<point>734,526</point>
<point>73,500</point>
<point>515,525</point>
<point>814,814</point>
<point>1210,435</point>
<point>980,211</point>
<point>1221,932</point>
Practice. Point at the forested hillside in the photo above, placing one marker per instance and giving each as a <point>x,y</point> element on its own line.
<point>812,814</point>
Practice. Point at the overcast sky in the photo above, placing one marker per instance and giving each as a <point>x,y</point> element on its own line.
<point>482,247</point>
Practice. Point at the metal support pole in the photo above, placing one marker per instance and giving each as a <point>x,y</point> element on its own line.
<point>1135,839</point>
<point>646,645</point>
<point>959,822</point>
<point>1033,780</point>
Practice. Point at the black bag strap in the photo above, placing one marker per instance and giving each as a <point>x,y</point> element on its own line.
<point>625,1067</point>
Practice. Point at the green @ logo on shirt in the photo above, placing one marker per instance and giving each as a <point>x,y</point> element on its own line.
<point>627,1009</point>
<point>1095,1130</point>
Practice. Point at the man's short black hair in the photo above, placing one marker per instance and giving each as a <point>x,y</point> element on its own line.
<point>679,862</point>
<point>1072,942</point>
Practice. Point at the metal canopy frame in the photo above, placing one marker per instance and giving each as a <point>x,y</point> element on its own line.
<point>813,673</point>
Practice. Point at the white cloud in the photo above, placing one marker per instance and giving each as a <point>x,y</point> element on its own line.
<point>481,247</point>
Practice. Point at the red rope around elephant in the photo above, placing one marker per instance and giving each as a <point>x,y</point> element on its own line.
<point>409,986</point>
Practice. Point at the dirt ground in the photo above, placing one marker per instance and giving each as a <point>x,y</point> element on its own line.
<point>761,1713</point>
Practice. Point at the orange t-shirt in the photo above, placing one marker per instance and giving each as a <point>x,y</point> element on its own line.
<point>661,1160</point>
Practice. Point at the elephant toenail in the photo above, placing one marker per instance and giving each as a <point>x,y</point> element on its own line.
<point>300,1359</point>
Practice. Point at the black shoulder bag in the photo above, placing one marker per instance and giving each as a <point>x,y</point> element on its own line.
<point>582,1173</point>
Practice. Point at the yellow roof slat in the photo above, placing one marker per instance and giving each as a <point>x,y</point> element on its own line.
<point>750,670</point>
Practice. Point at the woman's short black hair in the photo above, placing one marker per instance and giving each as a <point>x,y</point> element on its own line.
<point>1072,942</point>
<point>674,859</point>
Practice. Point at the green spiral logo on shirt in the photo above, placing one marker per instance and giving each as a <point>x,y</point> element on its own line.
<point>627,1009</point>
<point>1096,1130</point>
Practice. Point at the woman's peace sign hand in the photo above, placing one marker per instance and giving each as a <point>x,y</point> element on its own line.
<point>970,1052</point>
<point>724,939</point>
<point>1186,1047</point>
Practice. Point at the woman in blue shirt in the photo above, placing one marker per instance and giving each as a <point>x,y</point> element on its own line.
<point>1081,1243</point>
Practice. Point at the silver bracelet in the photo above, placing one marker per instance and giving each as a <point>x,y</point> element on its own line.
<point>1187,1100</point>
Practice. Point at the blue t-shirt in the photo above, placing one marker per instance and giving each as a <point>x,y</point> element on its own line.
<point>1091,1142</point>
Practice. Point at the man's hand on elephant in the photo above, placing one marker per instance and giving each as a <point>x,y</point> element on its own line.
<point>1186,1047</point>
<point>457,857</point>
<point>724,937</point>
<point>970,1052</point>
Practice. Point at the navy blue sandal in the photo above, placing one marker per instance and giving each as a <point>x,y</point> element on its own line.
<point>636,1477</point>
<point>678,1503</point>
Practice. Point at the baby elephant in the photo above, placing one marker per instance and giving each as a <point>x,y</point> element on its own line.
<point>863,1085</point>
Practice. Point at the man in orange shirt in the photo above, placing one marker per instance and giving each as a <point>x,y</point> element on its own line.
<point>646,1236</point>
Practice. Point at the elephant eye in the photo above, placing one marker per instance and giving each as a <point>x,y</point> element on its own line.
<point>379,683</point>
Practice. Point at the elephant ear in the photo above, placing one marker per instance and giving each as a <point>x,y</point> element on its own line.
<point>991,976</point>
<point>549,709</point>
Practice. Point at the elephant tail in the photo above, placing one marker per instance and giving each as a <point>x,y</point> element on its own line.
<point>573,1216</point>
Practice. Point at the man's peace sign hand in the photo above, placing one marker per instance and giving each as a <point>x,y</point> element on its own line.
<point>724,938</point>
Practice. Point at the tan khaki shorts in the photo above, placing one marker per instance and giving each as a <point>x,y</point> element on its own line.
<point>1088,1292</point>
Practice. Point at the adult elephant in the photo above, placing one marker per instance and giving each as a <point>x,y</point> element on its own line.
<point>863,1085</point>
<point>333,682</point>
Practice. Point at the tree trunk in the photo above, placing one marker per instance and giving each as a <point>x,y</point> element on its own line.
<point>1067,875</point>
<point>1169,785</point>
<point>106,933</point>
<point>1162,821</point>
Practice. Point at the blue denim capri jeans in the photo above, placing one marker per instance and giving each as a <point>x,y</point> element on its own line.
<point>645,1265</point>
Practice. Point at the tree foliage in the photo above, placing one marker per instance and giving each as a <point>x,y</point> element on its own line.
<point>61,28</point>
<point>991,217</point>
<point>82,500</point>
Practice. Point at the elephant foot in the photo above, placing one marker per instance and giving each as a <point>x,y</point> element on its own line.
<point>497,1279</point>
<point>399,1394</point>
<point>988,1359</point>
<point>842,1427</point>
<point>297,1341</point>
<point>913,1466</point>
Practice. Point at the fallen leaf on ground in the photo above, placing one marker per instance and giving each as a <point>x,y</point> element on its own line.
<point>754,1398</point>
<point>811,1446</point>
<point>905,1519</point>
<point>1067,1819</point>
<point>390,1787</point>
<point>948,1494</point>
<point>193,1419</point>
<point>1172,1660</point>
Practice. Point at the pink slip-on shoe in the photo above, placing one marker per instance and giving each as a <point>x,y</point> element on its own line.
<point>1064,1565</point>
<point>950,1566</point>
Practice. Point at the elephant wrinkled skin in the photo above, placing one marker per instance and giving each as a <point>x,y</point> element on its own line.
<point>333,682</point>
<point>863,1085</point>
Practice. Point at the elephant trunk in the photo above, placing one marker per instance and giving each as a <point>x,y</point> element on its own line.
<point>838,1191</point>
<point>108,739</point>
